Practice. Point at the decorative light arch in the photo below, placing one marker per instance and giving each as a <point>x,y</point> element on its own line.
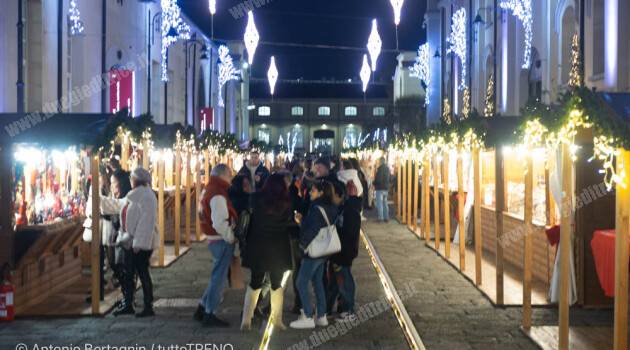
<point>522,9</point>
<point>421,69</point>
<point>457,42</point>
<point>227,71</point>
<point>173,29</point>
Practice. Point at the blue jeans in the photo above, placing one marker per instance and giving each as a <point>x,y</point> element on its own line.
<point>312,270</point>
<point>342,284</point>
<point>381,204</point>
<point>222,252</point>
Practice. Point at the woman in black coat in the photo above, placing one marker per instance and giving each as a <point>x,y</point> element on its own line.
<point>268,247</point>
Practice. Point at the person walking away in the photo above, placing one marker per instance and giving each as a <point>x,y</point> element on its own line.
<point>255,170</point>
<point>381,185</point>
<point>218,218</point>
<point>364,183</point>
<point>268,248</point>
<point>349,174</point>
<point>312,269</point>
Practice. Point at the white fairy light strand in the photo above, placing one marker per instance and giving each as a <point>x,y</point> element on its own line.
<point>457,42</point>
<point>171,18</point>
<point>227,71</point>
<point>74,16</point>
<point>365,73</point>
<point>251,37</point>
<point>421,70</point>
<point>522,9</point>
<point>272,75</point>
<point>374,44</point>
<point>397,6</point>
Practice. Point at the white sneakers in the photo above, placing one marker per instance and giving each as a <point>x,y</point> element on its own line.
<point>346,317</point>
<point>304,322</point>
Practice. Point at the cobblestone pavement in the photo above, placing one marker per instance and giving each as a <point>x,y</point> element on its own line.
<point>176,291</point>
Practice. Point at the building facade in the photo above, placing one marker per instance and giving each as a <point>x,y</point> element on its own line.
<point>321,126</point>
<point>525,46</point>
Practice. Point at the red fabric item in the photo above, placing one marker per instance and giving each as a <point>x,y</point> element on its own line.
<point>216,187</point>
<point>603,246</point>
<point>351,188</point>
<point>553,235</point>
<point>123,218</point>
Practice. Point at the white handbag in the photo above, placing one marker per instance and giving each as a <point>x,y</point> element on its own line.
<point>327,240</point>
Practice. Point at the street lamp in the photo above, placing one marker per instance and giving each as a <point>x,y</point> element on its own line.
<point>192,43</point>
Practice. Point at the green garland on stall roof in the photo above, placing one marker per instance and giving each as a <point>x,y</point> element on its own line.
<point>136,126</point>
<point>222,142</point>
<point>261,146</point>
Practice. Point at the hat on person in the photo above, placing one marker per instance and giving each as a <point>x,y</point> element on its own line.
<point>141,174</point>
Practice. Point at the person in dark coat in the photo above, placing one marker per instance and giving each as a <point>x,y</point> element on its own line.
<point>255,170</point>
<point>381,185</point>
<point>240,193</point>
<point>268,249</point>
<point>364,183</point>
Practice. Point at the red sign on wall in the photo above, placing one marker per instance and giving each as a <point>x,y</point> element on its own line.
<point>121,88</point>
<point>206,118</point>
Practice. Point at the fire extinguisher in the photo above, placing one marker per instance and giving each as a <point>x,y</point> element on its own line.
<point>7,307</point>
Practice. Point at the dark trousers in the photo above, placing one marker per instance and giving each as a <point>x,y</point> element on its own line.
<point>297,262</point>
<point>141,263</point>
<point>128,276</point>
<point>258,279</point>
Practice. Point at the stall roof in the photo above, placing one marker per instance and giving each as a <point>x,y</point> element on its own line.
<point>56,130</point>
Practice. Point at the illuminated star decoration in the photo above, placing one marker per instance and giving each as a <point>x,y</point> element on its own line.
<point>374,44</point>
<point>251,37</point>
<point>365,73</point>
<point>272,75</point>
<point>397,5</point>
<point>212,6</point>
<point>227,71</point>
<point>522,9</point>
<point>173,29</point>
<point>74,16</point>
<point>420,69</point>
<point>457,42</point>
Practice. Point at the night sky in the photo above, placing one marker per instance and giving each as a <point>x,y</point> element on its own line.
<point>344,23</point>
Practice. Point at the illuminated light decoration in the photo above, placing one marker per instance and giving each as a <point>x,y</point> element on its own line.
<point>488,110</point>
<point>227,71</point>
<point>534,134</point>
<point>575,76</point>
<point>272,75</point>
<point>74,17</point>
<point>251,37</point>
<point>522,9</point>
<point>173,28</point>
<point>466,107</point>
<point>397,6</point>
<point>365,73</point>
<point>212,5</point>
<point>374,45</point>
<point>457,42</point>
<point>446,112</point>
<point>421,69</point>
<point>605,151</point>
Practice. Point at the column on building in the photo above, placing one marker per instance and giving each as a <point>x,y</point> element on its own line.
<point>433,19</point>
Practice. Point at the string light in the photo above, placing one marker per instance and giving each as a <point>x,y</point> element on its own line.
<point>397,6</point>
<point>272,75</point>
<point>251,37</point>
<point>227,71</point>
<point>374,44</point>
<point>488,110</point>
<point>466,108</point>
<point>604,151</point>
<point>446,113</point>
<point>74,16</point>
<point>421,69</point>
<point>575,76</point>
<point>173,29</point>
<point>457,42</point>
<point>522,9</point>
<point>365,73</point>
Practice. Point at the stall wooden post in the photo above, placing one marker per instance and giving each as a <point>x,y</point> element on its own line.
<point>161,210</point>
<point>178,201</point>
<point>398,189</point>
<point>566,210</point>
<point>416,191</point>
<point>124,153</point>
<point>528,254</point>
<point>499,199</point>
<point>423,204</point>
<point>95,245</point>
<point>447,207</point>
<point>197,198</point>
<point>145,154</point>
<point>436,202</point>
<point>405,191</point>
<point>206,166</point>
<point>477,213</point>
<point>460,212</point>
<point>426,189</point>
<point>188,203</point>
<point>410,196</point>
<point>622,229</point>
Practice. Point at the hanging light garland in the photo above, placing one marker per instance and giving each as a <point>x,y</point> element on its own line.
<point>227,71</point>
<point>74,16</point>
<point>522,9</point>
<point>575,76</point>
<point>251,37</point>
<point>272,75</point>
<point>605,151</point>
<point>457,42</point>
<point>173,29</point>
<point>365,73</point>
<point>466,107</point>
<point>212,6</point>
<point>446,112</point>
<point>397,6</point>
<point>488,110</point>
<point>421,69</point>
<point>374,44</point>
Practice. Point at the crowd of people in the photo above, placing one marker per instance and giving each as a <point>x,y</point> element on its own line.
<point>264,220</point>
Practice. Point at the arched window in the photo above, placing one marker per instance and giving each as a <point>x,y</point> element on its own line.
<point>378,111</point>
<point>323,111</point>
<point>351,111</point>
<point>297,111</point>
<point>264,111</point>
